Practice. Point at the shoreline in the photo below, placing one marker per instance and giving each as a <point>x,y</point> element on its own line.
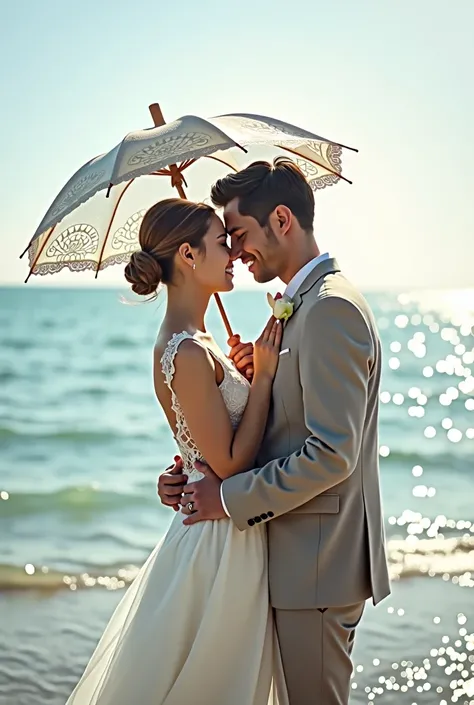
<point>449,557</point>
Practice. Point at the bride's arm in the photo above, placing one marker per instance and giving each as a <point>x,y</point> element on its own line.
<point>194,383</point>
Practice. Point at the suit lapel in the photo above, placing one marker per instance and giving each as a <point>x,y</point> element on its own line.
<point>328,266</point>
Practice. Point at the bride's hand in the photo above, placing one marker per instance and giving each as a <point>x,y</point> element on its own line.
<point>266,350</point>
<point>241,355</point>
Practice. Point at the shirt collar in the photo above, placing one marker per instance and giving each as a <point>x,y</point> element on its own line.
<point>301,275</point>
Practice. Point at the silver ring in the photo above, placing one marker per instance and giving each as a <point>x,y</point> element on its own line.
<point>190,506</point>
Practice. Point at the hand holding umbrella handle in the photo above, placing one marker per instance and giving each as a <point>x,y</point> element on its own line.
<point>177,181</point>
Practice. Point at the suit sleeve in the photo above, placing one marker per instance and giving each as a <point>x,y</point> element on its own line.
<point>335,358</point>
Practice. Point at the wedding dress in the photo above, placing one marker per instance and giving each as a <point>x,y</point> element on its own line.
<point>195,627</point>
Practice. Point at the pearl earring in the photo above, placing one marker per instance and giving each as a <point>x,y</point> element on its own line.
<point>194,265</point>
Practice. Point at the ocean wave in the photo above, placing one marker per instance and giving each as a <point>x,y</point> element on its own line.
<point>29,577</point>
<point>451,558</point>
<point>86,435</point>
<point>447,557</point>
<point>18,344</point>
<point>93,392</point>
<point>121,342</point>
<point>8,376</point>
<point>78,500</point>
<point>456,460</point>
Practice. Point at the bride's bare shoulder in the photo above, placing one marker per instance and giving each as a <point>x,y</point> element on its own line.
<point>184,350</point>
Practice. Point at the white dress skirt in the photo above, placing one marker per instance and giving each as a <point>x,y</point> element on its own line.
<point>195,627</point>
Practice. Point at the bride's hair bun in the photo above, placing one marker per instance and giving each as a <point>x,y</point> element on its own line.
<point>165,227</point>
<point>144,273</point>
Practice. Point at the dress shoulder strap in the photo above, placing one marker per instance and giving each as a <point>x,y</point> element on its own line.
<point>169,354</point>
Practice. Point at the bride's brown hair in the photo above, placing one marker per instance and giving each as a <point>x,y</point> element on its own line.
<point>165,227</point>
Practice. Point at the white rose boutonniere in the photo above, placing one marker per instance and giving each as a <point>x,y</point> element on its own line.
<point>282,306</point>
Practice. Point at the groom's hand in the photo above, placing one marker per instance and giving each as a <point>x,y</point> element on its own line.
<point>205,496</point>
<point>241,355</point>
<point>170,484</point>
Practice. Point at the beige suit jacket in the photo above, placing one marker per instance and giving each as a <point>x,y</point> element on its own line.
<point>317,485</point>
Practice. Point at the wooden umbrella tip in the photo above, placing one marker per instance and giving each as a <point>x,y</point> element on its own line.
<point>156,114</point>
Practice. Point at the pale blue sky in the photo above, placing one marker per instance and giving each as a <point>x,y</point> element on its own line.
<point>394,79</point>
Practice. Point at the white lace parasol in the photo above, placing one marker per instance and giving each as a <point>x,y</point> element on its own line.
<point>95,219</point>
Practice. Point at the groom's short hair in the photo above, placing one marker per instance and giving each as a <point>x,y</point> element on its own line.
<point>262,186</point>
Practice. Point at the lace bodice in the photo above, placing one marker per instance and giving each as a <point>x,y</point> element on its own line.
<point>234,389</point>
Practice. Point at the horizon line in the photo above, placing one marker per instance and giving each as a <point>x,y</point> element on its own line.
<point>241,287</point>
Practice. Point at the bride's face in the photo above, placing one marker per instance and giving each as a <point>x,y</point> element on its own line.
<point>214,269</point>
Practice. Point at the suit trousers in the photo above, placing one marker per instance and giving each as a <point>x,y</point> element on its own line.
<point>316,647</point>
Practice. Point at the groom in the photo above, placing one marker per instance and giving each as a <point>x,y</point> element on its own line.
<point>316,480</point>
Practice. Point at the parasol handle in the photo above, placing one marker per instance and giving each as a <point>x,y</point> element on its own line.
<point>159,120</point>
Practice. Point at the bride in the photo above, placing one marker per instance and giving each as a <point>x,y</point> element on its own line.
<point>219,646</point>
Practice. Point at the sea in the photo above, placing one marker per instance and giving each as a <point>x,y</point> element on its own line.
<point>82,441</point>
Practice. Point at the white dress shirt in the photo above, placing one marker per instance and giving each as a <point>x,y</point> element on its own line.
<point>291,289</point>
<point>295,283</point>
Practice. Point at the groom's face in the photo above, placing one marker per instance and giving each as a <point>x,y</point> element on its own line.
<point>258,247</point>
